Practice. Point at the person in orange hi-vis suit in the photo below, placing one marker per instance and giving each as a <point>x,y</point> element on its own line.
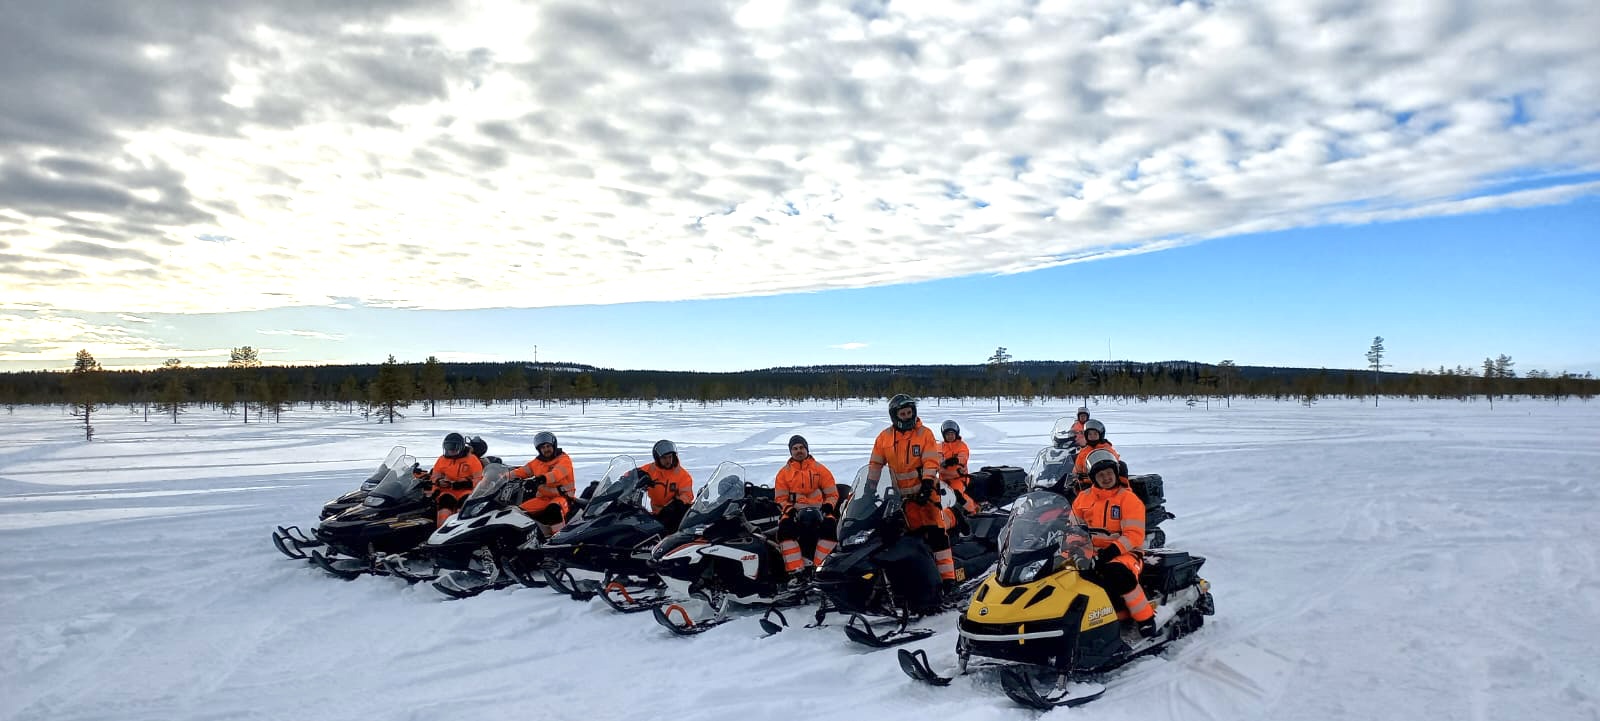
<point>911,453</point>
<point>952,472</point>
<point>1110,509</point>
<point>1094,438</point>
<point>670,486</point>
<point>454,475</point>
<point>1077,425</point>
<point>549,477</point>
<point>805,490</point>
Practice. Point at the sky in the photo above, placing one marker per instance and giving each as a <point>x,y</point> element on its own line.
<point>723,186</point>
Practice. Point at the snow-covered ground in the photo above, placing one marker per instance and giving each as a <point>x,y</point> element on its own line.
<point>1432,560</point>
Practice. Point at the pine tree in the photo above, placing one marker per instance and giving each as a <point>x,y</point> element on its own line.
<point>433,384</point>
<point>390,391</point>
<point>1375,361</point>
<point>245,362</point>
<point>172,390</point>
<point>583,390</point>
<point>86,389</point>
<point>997,371</point>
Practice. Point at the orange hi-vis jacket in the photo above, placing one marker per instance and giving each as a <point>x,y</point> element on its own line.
<point>1118,517</point>
<point>452,470</point>
<point>1080,467</point>
<point>956,476</point>
<point>910,456</point>
<point>804,484</point>
<point>676,483</point>
<point>559,481</point>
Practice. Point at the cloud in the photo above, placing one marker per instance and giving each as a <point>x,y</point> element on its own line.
<point>41,339</point>
<point>201,158</point>
<point>133,318</point>
<point>304,334</point>
<point>849,346</point>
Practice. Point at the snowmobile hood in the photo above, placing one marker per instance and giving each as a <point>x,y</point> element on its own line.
<point>1046,600</point>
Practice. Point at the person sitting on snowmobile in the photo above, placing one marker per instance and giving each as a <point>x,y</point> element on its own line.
<point>671,488</point>
<point>808,496</point>
<point>953,472</point>
<point>911,452</point>
<point>1077,425</point>
<point>454,475</point>
<point>550,480</point>
<point>1116,516</point>
<point>1094,438</point>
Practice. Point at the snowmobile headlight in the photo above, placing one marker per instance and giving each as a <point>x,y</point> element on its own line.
<point>858,538</point>
<point>1031,571</point>
<point>373,501</point>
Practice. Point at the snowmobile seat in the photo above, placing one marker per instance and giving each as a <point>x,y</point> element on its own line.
<point>1167,570</point>
<point>1001,484</point>
<point>1149,488</point>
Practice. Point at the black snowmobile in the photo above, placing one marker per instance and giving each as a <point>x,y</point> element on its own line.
<point>883,578</point>
<point>1050,633</point>
<point>605,550</point>
<point>1052,471</point>
<point>395,516</point>
<point>724,553</point>
<point>293,542</point>
<point>472,552</point>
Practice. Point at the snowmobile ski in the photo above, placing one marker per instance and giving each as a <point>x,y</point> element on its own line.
<point>292,542</point>
<point>860,630</point>
<point>346,568</point>
<point>620,598</point>
<point>915,664</point>
<point>666,613</point>
<point>1019,684</point>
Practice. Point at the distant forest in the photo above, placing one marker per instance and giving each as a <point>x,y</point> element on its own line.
<point>247,387</point>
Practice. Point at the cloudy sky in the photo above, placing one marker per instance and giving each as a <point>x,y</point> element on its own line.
<point>724,185</point>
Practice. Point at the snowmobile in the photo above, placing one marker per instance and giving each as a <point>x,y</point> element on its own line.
<point>605,550</point>
<point>724,554</point>
<point>883,578</point>
<point>396,516</point>
<point>293,542</point>
<point>1053,473</point>
<point>472,551</point>
<point>1050,633</point>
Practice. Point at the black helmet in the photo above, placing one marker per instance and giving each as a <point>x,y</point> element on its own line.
<point>798,439</point>
<point>1100,460</point>
<point>479,446</point>
<point>902,400</point>
<point>455,446</point>
<point>949,426</point>
<point>661,448</point>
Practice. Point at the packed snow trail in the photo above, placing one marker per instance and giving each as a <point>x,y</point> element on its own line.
<point>1420,560</point>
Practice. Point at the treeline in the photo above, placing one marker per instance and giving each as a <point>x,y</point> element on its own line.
<point>255,392</point>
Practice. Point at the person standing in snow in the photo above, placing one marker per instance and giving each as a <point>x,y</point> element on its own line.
<point>911,454</point>
<point>454,475</point>
<point>669,484</point>
<point>550,480</point>
<point>806,492</point>
<point>953,474</point>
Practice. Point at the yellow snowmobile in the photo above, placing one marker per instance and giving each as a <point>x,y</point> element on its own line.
<point>1051,633</point>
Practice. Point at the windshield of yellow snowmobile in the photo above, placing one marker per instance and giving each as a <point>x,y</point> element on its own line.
<point>382,471</point>
<point>497,479</point>
<point>866,508</point>
<point>1032,542</point>
<point>1049,466</point>
<point>398,484</point>
<point>718,497</point>
<point>620,486</point>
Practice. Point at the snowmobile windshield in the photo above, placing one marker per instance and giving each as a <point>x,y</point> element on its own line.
<point>488,494</point>
<point>1040,528</point>
<point>1049,466</point>
<point>1062,430</point>
<point>866,508</point>
<point>382,471</point>
<point>396,485</point>
<point>620,486</point>
<point>719,497</point>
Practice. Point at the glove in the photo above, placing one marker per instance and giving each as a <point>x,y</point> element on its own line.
<point>461,485</point>
<point>646,481</point>
<point>532,484</point>
<point>1107,554</point>
<point>951,462</point>
<point>426,485</point>
<point>926,494</point>
<point>827,509</point>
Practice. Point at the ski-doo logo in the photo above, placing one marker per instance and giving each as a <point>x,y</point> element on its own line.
<point>1116,512</point>
<point>1099,613</point>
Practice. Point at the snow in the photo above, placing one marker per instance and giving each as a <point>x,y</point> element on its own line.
<point>1421,560</point>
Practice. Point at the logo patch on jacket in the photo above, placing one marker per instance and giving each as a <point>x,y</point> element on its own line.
<point>1116,512</point>
<point>916,450</point>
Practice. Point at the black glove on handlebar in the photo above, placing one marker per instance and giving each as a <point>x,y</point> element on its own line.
<point>926,493</point>
<point>532,484</point>
<point>1107,554</point>
<point>950,462</point>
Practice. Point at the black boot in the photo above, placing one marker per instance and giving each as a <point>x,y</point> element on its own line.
<point>1147,628</point>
